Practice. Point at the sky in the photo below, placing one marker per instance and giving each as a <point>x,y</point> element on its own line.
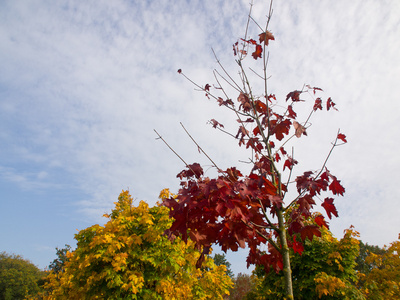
<point>83,85</point>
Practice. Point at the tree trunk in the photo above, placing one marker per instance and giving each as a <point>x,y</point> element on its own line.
<point>287,271</point>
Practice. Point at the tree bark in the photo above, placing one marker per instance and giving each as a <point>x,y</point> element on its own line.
<point>287,271</point>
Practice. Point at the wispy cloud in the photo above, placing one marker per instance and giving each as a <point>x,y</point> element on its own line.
<point>83,85</point>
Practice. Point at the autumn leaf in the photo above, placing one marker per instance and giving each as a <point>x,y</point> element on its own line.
<point>336,187</point>
<point>309,232</point>
<point>215,123</point>
<point>299,129</point>
<point>179,71</point>
<point>297,246</point>
<point>330,207</point>
<point>342,137</point>
<point>245,103</point>
<point>292,113</point>
<point>193,170</point>
<point>265,37</point>
<point>317,104</point>
<point>330,104</point>
<point>257,53</point>
<point>320,220</point>
<point>289,163</point>
<point>280,128</point>
<point>294,96</point>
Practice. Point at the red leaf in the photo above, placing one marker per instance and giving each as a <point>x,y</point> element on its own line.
<point>299,129</point>
<point>309,232</point>
<point>245,102</point>
<point>313,88</point>
<point>251,41</point>
<point>180,71</point>
<point>257,53</point>
<point>265,37</point>
<point>336,187</point>
<point>342,137</point>
<point>320,220</point>
<point>330,207</point>
<point>233,174</point>
<point>295,96</point>
<point>260,107</point>
<point>290,162</point>
<point>215,123</point>
<point>305,204</point>
<point>292,114</point>
<point>317,104</point>
<point>280,128</point>
<point>207,87</point>
<point>271,96</point>
<point>193,170</point>
<point>297,246</point>
<point>254,144</point>
<point>330,103</point>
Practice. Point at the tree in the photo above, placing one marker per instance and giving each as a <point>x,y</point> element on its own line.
<point>235,210</point>
<point>325,270</point>
<point>19,277</point>
<point>243,287</point>
<point>57,264</point>
<point>219,260</point>
<point>130,258</point>
<point>363,266</point>
<point>382,279</point>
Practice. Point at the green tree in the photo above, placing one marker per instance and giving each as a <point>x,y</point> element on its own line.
<point>130,257</point>
<point>19,278</point>
<point>324,270</point>
<point>57,264</point>
<point>220,260</point>
<point>363,266</point>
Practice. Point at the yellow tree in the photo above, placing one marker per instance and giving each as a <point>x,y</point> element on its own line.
<point>130,257</point>
<point>382,281</point>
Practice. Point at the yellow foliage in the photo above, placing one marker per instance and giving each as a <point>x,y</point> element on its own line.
<point>328,285</point>
<point>130,258</point>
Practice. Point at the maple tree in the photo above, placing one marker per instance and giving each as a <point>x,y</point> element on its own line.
<point>131,258</point>
<point>237,210</point>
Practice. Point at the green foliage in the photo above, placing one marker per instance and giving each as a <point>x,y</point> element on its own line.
<point>219,260</point>
<point>325,270</point>
<point>130,257</point>
<point>365,250</point>
<point>57,264</point>
<point>19,278</point>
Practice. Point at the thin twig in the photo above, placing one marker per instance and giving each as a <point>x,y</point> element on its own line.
<point>186,164</point>
<point>201,149</point>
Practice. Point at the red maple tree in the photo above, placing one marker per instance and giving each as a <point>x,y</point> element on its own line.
<point>250,210</point>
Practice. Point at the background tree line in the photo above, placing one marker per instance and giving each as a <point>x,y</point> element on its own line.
<point>130,257</point>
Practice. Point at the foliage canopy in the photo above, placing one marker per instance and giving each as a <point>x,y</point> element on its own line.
<point>131,258</point>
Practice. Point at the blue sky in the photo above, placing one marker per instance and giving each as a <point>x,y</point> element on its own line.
<point>83,85</point>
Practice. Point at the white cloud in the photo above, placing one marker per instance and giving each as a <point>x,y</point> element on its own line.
<point>83,85</point>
